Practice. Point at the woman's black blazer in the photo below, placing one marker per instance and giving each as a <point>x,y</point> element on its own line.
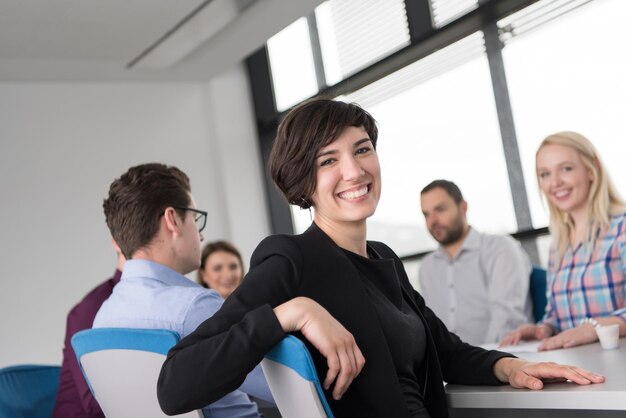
<point>215,358</point>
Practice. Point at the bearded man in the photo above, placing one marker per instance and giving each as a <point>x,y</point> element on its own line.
<point>477,284</point>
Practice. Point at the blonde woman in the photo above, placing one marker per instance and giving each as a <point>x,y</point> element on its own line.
<point>587,265</point>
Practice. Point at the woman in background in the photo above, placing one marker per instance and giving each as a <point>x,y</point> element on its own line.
<point>587,264</point>
<point>379,351</point>
<point>221,267</point>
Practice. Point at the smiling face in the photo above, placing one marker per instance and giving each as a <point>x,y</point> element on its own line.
<point>222,272</point>
<point>347,179</point>
<point>564,178</point>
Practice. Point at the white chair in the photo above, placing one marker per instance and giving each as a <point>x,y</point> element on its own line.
<point>122,367</point>
<point>292,378</point>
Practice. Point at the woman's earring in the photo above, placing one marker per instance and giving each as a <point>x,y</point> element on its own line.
<point>306,204</point>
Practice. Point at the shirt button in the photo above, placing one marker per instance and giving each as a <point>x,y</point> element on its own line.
<point>450,285</point>
<point>452,309</point>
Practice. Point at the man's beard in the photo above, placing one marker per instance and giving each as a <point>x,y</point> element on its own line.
<point>453,234</point>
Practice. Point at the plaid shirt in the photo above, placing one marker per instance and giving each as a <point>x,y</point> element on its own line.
<point>589,282</point>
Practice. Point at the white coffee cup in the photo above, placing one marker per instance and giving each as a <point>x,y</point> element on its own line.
<point>609,336</point>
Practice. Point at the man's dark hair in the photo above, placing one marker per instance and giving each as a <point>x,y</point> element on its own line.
<point>137,201</point>
<point>302,133</point>
<point>451,188</point>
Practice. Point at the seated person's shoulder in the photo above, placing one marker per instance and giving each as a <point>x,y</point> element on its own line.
<point>278,240</point>
<point>428,258</point>
<point>618,221</point>
<point>504,249</point>
<point>426,266</point>
<point>499,243</point>
<point>198,294</point>
<point>282,245</point>
<point>91,302</point>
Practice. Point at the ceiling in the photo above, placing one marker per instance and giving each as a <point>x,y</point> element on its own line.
<point>135,40</point>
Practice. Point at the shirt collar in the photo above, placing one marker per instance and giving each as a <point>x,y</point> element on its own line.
<point>147,269</point>
<point>471,242</point>
<point>116,277</point>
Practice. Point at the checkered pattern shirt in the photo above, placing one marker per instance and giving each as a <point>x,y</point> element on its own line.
<point>589,282</point>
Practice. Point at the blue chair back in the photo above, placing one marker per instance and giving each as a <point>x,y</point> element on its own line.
<point>538,292</point>
<point>293,380</point>
<point>122,366</point>
<point>28,391</point>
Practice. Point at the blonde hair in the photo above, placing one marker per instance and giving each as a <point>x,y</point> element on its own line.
<point>603,198</point>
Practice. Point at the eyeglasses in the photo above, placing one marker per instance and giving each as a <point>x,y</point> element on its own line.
<point>199,216</point>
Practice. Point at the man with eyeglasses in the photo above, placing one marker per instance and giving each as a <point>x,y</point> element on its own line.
<point>153,217</point>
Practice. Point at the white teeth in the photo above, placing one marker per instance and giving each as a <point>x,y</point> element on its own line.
<point>354,194</point>
<point>561,193</point>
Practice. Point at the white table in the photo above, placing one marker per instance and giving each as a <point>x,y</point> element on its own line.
<point>556,399</point>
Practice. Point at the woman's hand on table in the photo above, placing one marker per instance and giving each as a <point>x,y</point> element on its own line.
<point>580,335</point>
<point>521,373</point>
<point>526,332</point>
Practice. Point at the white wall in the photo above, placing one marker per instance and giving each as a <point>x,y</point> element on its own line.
<point>242,187</point>
<point>61,145</point>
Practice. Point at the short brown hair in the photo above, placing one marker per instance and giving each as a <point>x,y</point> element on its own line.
<point>305,130</point>
<point>213,247</point>
<point>138,198</point>
<point>452,189</point>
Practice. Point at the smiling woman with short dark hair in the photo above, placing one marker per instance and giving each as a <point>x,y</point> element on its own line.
<point>378,349</point>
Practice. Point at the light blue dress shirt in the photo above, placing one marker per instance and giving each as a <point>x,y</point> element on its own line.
<point>152,296</point>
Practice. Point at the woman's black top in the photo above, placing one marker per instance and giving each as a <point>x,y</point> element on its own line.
<point>402,327</point>
<point>234,340</point>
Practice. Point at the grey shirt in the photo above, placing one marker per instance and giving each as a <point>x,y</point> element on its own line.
<point>483,293</point>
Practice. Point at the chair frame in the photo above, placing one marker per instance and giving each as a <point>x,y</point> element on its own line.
<point>139,347</point>
<point>289,358</point>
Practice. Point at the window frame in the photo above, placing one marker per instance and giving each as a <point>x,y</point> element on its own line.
<point>425,40</point>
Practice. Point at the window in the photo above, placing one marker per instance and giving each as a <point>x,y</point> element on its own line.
<point>352,34</point>
<point>563,68</point>
<point>293,71</point>
<point>569,75</point>
<point>445,11</point>
<point>445,127</point>
<point>356,33</point>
